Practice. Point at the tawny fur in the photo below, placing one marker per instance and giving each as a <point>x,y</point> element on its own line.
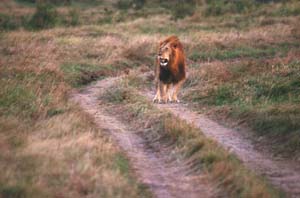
<point>170,71</point>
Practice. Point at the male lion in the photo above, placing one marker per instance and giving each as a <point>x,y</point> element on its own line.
<point>170,70</point>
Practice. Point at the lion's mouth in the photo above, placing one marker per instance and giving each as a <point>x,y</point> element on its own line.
<point>163,61</point>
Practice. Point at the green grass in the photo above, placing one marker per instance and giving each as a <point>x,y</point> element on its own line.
<point>217,8</point>
<point>17,99</point>
<point>267,101</point>
<point>77,74</point>
<point>8,22</point>
<point>222,14</point>
<point>13,191</point>
<point>25,94</point>
<point>287,10</point>
<point>279,49</point>
<point>122,164</point>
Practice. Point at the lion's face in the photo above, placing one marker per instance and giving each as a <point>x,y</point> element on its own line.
<point>164,55</point>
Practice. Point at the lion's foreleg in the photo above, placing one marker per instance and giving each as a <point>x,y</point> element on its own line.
<point>169,92</point>
<point>164,88</point>
<point>177,87</point>
<point>157,97</point>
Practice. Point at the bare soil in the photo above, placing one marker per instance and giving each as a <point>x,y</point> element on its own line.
<point>155,168</point>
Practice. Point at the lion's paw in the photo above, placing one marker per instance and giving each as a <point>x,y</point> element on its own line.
<point>155,100</point>
<point>177,101</point>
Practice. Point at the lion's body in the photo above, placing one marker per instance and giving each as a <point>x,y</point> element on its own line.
<point>170,69</point>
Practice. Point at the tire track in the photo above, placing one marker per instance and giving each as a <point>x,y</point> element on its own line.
<point>282,173</point>
<point>166,178</point>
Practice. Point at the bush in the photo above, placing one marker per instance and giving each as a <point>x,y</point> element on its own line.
<point>45,16</point>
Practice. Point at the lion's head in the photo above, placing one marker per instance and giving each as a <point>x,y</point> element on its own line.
<point>168,50</point>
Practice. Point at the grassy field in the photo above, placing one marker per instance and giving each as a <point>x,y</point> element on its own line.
<point>243,64</point>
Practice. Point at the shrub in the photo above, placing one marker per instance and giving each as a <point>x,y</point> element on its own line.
<point>45,16</point>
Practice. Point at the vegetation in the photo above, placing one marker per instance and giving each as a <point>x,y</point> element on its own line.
<point>44,17</point>
<point>49,146</point>
<point>267,101</point>
<point>188,142</point>
<point>243,63</point>
<point>51,13</point>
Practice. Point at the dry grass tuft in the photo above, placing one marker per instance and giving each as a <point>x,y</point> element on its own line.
<point>65,155</point>
<point>49,147</point>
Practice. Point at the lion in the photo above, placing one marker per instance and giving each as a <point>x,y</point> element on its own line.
<point>170,71</point>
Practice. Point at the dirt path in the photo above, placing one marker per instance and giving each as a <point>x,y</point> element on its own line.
<point>283,174</point>
<point>166,178</point>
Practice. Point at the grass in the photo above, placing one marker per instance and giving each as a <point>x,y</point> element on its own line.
<point>188,143</point>
<point>82,74</point>
<point>22,95</point>
<point>37,167</point>
<point>244,13</point>
<point>267,101</point>
<point>50,148</point>
<point>280,49</point>
<point>240,52</point>
<point>45,140</point>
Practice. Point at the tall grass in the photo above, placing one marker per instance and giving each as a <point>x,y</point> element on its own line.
<point>50,148</point>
